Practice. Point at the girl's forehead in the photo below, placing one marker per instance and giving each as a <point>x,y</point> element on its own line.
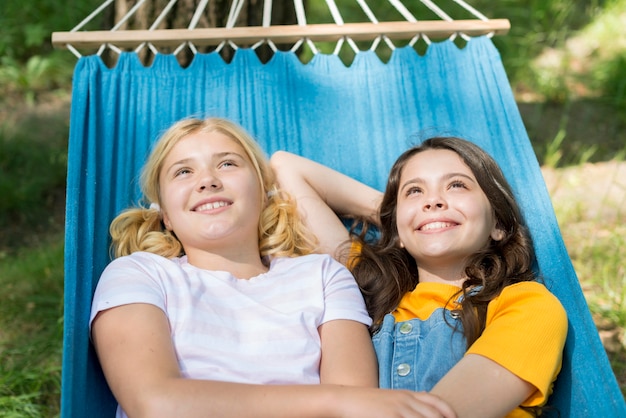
<point>209,140</point>
<point>205,144</point>
<point>435,161</point>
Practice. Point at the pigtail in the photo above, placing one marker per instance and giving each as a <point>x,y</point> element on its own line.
<point>140,229</point>
<point>281,230</point>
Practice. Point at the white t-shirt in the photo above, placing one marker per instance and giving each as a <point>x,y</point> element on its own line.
<point>261,330</point>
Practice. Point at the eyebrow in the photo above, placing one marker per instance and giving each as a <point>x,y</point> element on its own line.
<point>444,177</point>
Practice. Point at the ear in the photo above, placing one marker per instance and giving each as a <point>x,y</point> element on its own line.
<point>166,221</point>
<point>497,234</point>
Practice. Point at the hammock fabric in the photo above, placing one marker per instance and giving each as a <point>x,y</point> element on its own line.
<point>356,119</point>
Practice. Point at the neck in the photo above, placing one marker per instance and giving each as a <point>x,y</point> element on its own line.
<point>241,264</point>
<point>449,274</point>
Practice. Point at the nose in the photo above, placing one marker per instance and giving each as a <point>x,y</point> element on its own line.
<point>209,180</point>
<point>434,202</point>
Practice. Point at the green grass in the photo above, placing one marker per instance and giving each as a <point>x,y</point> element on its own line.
<point>597,248</point>
<point>598,251</point>
<point>33,150</point>
<point>31,330</point>
<point>588,202</point>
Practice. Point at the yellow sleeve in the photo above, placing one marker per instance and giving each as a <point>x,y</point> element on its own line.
<point>525,333</point>
<point>353,254</point>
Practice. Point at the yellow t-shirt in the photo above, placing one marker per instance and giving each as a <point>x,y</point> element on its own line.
<point>525,331</point>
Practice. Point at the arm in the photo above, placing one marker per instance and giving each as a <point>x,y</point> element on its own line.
<point>323,195</point>
<point>348,356</point>
<point>135,350</point>
<point>479,387</point>
<point>515,360</point>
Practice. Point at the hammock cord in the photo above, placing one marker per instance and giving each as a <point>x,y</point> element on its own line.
<point>267,21</point>
<point>370,15</point>
<point>470,9</point>
<point>301,20</point>
<point>194,22</point>
<point>155,25</point>
<point>235,12</point>
<point>119,24</point>
<point>441,14</point>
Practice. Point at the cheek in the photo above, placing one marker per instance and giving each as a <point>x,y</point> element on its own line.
<point>253,191</point>
<point>404,219</point>
<point>175,194</point>
<point>172,199</point>
<point>482,214</point>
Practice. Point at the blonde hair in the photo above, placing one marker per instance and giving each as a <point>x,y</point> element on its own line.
<point>281,230</point>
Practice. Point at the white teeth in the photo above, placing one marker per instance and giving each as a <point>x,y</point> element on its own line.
<point>436,225</point>
<point>209,206</point>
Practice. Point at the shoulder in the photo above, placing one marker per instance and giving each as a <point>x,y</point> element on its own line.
<point>528,291</point>
<point>140,277</point>
<point>314,268</point>
<point>310,260</point>
<point>142,260</point>
<point>141,267</point>
<point>529,299</point>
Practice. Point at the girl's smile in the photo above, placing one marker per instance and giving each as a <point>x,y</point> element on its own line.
<point>211,205</point>
<point>211,195</point>
<point>443,216</point>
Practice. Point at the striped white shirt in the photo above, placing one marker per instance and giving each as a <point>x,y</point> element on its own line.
<point>262,330</point>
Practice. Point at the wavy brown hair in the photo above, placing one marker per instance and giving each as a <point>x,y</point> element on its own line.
<point>281,230</point>
<point>385,271</point>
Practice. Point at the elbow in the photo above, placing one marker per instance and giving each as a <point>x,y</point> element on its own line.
<point>151,404</point>
<point>280,161</point>
<point>285,166</point>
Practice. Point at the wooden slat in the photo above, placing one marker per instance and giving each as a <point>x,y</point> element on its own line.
<point>280,34</point>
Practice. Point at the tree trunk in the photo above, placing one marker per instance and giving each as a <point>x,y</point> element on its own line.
<point>215,15</point>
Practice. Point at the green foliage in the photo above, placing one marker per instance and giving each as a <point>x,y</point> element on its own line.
<point>33,166</point>
<point>606,58</point>
<point>28,64</point>
<point>553,151</point>
<point>38,74</point>
<point>538,26</point>
<point>27,25</point>
<point>610,79</point>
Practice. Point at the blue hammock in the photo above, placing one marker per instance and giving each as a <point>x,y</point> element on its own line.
<point>356,119</point>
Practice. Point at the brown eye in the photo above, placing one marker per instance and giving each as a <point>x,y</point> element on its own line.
<point>458,184</point>
<point>413,190</point>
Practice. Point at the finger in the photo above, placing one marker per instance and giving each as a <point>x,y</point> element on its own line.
<point>440,407</point>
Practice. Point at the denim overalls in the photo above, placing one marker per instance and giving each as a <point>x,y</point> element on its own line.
<point>416,354</point>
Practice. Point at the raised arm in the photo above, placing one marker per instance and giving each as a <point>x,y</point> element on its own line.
<point>323,195</point>
<point>134,347</point>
